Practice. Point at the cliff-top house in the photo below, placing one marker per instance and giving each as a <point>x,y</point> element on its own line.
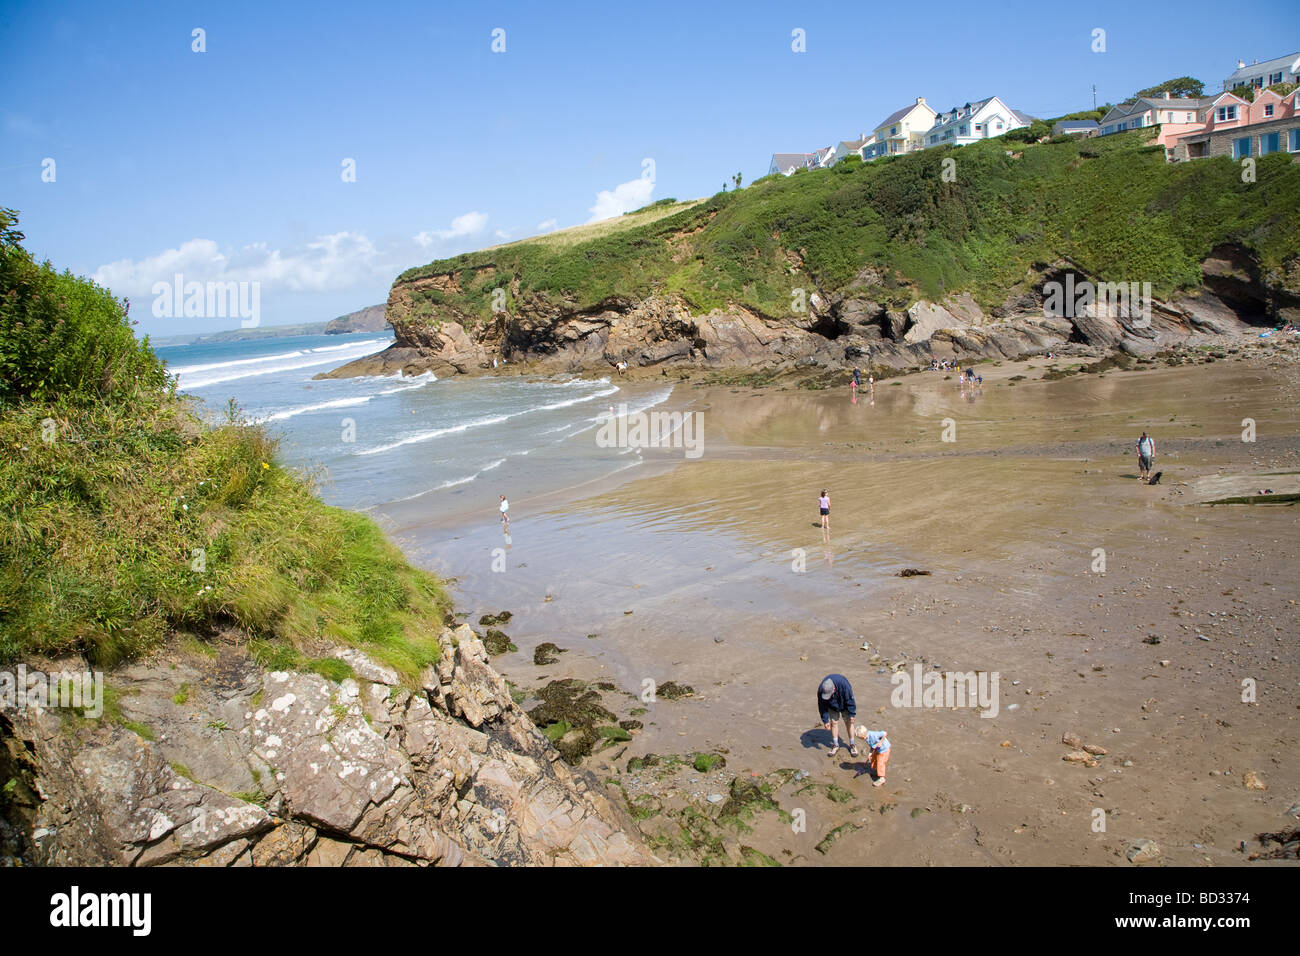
<point>900,132</point>
<point>981,119</point>
<point>1236,127</point>
<point>787,163</point>
<point>1283,69</point>
<point>1176,116</point>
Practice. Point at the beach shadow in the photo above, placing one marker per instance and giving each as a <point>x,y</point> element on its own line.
<point>819,738</point>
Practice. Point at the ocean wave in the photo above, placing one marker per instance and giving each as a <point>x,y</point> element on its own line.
<point>228,372</point>
<point>339,402</point>
<point>431,434</point>
<point>453,482</point>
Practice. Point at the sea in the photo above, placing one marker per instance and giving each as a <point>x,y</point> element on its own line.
<point>415,444</point>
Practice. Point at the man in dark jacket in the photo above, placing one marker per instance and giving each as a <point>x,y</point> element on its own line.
<point>834,703</point>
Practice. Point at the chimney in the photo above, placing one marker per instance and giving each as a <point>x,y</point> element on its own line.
<point>1241,64</point>
<point>920,101</point>
<point>1167,94</point>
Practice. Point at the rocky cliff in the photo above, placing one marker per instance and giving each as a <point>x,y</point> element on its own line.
<point>842,329</point>
<point>207,759</point>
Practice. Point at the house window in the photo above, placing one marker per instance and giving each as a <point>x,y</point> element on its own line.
<point>893,131</point>
<point>1274,78</point>
<point>1241,147</point>
<point>963,130</point>
<point>1226,113</point>
<point>1191,117</point>
<point>1268,143</point>
<point>979,127</point>
<point>1295,140</point>
<point>1268,109</point>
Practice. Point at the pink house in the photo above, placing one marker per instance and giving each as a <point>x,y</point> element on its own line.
<point>1268,124</point>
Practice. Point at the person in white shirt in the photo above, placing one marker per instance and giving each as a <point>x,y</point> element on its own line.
<point>1146,451</point>
<point>505,512</point>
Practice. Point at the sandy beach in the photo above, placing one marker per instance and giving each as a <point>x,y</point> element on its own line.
<point>713,573</point>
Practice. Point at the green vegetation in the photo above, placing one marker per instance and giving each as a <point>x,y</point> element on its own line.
<point>1111,204</point>
<point>1248,93</point>
<point>124,518</point>
<point>706,762</point>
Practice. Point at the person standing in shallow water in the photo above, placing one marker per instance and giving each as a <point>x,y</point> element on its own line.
<point>824,506</point>
<point>505,514</point>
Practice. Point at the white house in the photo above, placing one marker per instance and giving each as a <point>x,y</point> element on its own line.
<point>787,163</point>
<point>982,119</point>
<point>846,147</point>
<point>901,131</point>
<point>1283,69</point>
<point>819,159</point>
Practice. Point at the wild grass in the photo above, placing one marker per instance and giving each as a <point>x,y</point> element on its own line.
<point>928,227</point>
<point>123,519</point>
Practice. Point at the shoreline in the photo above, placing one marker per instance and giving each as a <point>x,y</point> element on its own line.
<point>689,574</point>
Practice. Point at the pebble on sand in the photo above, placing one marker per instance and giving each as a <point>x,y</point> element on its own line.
<point>1143,851</point>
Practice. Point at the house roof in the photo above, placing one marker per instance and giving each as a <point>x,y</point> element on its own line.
<point>1077,124</point>
<point>1145,103</point>
<point>852,144</point>
<point>944,120</point>
<point>781,160</point>
<point>897,115</point>
<point>1174,102</point>
<point>1289,63</point>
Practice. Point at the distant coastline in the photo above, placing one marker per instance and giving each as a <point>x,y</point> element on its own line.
<point>369,319</point>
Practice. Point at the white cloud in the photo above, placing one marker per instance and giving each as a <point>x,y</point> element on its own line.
<point>502,234</point>
<point>547,225</point>
<point>465,225</point>
<point>326,264</point>
<point>622,198</point>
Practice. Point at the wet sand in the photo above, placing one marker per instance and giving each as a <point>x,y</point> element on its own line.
<point>733,589</point>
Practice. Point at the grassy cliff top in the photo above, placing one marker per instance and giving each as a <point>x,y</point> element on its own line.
<point>125,520</point>
<point>930,223</point>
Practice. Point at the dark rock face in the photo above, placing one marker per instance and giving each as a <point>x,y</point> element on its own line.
<point>847,328</point>
<point>283,768</point>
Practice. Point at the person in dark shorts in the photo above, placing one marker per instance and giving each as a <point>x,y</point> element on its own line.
<point>824,507</point>
<point>835,703</point>
<point>1146,452</point>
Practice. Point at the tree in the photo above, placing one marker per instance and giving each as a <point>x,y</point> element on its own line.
<point>736,179</point>
<point>1179,86</point>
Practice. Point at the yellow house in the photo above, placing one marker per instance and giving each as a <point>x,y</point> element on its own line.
<point>901,131</point>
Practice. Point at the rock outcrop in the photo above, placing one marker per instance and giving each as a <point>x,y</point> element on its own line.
<point>217,762</point>
<point>850,327</point>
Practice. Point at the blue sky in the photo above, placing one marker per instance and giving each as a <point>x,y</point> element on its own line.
<point>227,163</point>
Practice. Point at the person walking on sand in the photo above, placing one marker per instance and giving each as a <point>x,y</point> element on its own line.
<point>824,506</point>
<point>1146,452</point>
<point>835,703</point>
<point>878,748</point>
<point>505,514</point>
